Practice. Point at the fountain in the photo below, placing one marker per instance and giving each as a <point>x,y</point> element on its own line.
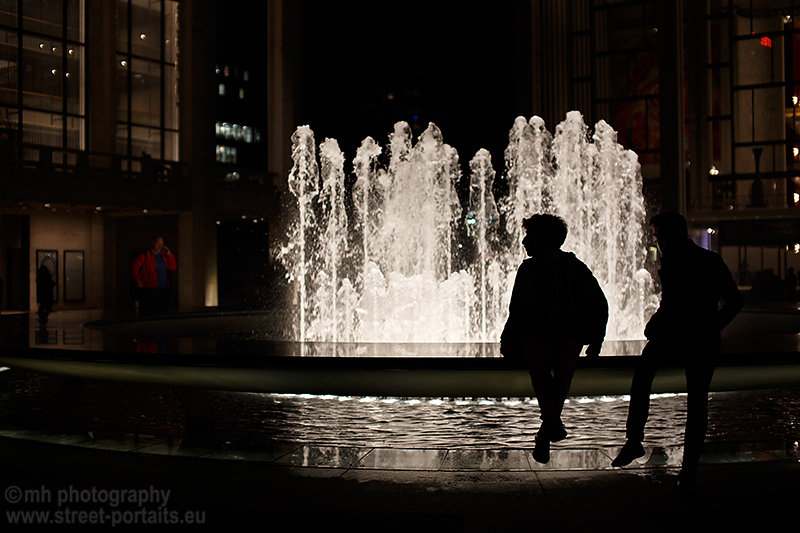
<point>385,270</point>
<point>402,290</point>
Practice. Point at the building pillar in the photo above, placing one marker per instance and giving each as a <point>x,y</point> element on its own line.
<point>699,193</point>
<point>671,97</point>
<point>101,75</point>
<point>283,51</point>
<point>550,60</point>
<point>110,288</point>
<point>94,272</point>
<point>197,103</point>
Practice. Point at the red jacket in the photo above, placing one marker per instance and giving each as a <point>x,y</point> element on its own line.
<point>143,268</point>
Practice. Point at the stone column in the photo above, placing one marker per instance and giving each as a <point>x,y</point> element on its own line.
<point>670,57</point>
<point>101,79</point>
<point>197,103</point>
<point>284,44</point>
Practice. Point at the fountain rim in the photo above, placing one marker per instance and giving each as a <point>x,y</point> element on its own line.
<point>391,377</point>
<point>378,376</point>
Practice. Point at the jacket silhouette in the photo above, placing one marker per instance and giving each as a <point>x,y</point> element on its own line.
<point>556,308</point>
<point>692,284</point>
<point>555,300</point>
<point>684,331</point>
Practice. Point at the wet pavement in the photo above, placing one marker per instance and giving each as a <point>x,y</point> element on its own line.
<point>305,462</point>
<point>402,490</point>
<point>236,465</point>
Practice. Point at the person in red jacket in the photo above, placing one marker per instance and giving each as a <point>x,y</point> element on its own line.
<point>149,272</point>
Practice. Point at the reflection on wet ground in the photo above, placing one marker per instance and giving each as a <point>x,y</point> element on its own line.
<point>335,431</point>
<point>375,433</point>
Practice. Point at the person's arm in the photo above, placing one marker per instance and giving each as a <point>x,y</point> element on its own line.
<point>169,259</point>
<point>599,315</point>
<point>509,337</point>
<point>136,267</point>
<point>732,301</point>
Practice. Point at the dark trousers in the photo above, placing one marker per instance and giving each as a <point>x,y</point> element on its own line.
<point>153,301</point>
<point>551,371</point>
<point>699,366</point>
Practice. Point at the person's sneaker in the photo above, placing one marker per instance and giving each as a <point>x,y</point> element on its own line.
<point>541,452</point>
<point>630,451</point>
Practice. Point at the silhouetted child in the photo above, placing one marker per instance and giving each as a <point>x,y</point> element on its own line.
<point>685,330</point>
<point>556,308</point>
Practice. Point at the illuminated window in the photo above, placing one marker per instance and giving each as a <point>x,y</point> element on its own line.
<point>237,132</point>
<point>147,116</point>
<point>226,154</point>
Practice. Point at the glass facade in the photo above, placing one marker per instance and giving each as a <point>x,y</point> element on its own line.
<point>741,76</point>
<point>43,77</point>
<point>753,72</point>
<point>627,72</point>
<point>146,52</point>
<point>42,47</point>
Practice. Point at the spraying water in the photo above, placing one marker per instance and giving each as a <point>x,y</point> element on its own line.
<point>388,274</point>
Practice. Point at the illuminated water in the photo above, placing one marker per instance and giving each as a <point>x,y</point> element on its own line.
<point>252,420</point>
<point>384,271</point>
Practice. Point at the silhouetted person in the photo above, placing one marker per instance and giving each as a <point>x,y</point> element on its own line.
<point>149,271</point>
<point>44,292</point>
<point>556,308</point>
<point>685,330</point>
<point>791,283</point>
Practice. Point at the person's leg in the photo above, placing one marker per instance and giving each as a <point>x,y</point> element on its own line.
<point>543,388</point>
<point>641,386</point>
<point>162,300</point>
<point>639,405</point>
<point>564,361</point>
<point>147,301</point>
<point>698,380</point>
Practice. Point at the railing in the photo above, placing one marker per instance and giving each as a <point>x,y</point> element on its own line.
<point>40,158</point>
<point>741,192</point>
<point>34,157</point>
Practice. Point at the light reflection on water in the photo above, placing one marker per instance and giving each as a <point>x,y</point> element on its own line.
<point>492,422</point>
<point>253,420</point>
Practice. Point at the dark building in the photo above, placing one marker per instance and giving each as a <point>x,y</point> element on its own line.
<point>107,125</point>
<point>245,269</point>
<point>706,94</point>
<point>126,118</point>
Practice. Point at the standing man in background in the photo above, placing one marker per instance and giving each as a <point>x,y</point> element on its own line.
<point>149,272</point>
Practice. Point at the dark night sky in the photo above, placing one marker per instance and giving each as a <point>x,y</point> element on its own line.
<point>454,66</point>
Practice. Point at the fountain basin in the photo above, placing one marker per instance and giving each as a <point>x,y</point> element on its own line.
<point>216,351</point>
<point>397,378</point>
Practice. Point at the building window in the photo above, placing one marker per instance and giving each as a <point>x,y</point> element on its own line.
<point>147,115</point>
<point>237,132</point>
<point>627,84</point>
<point>754,118</point>
<point>42,72</point>
<point>226,154</point>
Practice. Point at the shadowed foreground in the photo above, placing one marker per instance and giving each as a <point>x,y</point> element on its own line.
<point>239,492</point>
